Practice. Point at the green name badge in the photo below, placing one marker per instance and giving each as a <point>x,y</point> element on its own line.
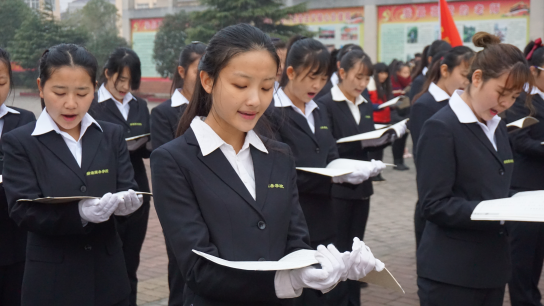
<point>509,161</point>
<point>275,186</point>
<point>324,127</point>
<point>95,172</point>
<point>135,124</point>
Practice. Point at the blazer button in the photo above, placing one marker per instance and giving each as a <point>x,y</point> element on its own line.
<point>317,150</point>
<point>83,188</point>
<point>261,225</point>
<point>262,259</point>
<point>501,171</point>
<point>88,248</point>
<point>128,131</point>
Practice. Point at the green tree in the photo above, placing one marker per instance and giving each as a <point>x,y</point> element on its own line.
<point>263,14</point>
<point>99,18</point>
<point>169,41</point>
<point>37,33</point>
<point>12,15</point>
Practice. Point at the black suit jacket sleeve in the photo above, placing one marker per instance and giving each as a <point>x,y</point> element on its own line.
<point>180,209</point>
<point>144,151</point>
<point>417,86</point>
<point>419,114</point>
<point>521,140</point>
<point>125,171</point>
<point>436,178</point>
<point>161,132</point>
<point>49,219</point>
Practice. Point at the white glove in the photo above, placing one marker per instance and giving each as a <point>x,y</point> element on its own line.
<point>98,210</point>
<point>362,261</point>
<point>355,178</point>
<point>130,202</point>
<point>378,167</point>
<point>324,279</point>
<point>400,128</point>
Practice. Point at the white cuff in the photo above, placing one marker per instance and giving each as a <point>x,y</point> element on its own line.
<point>284,287</point>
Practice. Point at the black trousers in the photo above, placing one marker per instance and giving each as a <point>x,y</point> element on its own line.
<point>527,247</point>
<point>11,281</point>
<point>351,216</point>
<point>432,293</point>
<point>176,284</point>
<point>132,231</point>
<point>419,223</point>
<point>398,149</point>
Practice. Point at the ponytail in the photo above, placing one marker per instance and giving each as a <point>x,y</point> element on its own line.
<point>188,55</point>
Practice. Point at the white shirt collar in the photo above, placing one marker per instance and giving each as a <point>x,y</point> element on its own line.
<point>4,110</point>
<point>534,91</point>
<point>46,124</point>
<point>282,100</point>
<point>334,79</point>
<point>338,96</point>
<point>424,71</point>
<point>209,141</point>
<point>465,114</point>
<point>438,93</point>
<point>178,99</point>
<point>104,95</point>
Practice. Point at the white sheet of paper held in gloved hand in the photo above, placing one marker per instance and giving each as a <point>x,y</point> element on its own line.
<point>373,134</point>
<point>390,102</point>
<point>338,167</point>
<point>300,259</point>
<point>523,206</point>
<point>60,200</point>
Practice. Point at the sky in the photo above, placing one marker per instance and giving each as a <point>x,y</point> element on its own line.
<point>64,5</point>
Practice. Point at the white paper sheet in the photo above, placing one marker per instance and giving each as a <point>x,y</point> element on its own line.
<point>524,206</point>
<point>60,200</point>
<point>1,181</point>
<point>378,126</point>
<point>373,134</point>
<point>326,171</point>
<point>389,103</point>
<point>297,260</point>
<point>522,123</point>
<point>136,137</point>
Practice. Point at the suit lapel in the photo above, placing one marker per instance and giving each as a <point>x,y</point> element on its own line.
<point>10,122</point>
<point>56,144</point>
<point>479,133</point>
<point>133,111</point>
<point>90,144</point>
<point>302,123</point>
<point>263,168</point>
<point>110,104</point>
<point>343,106</point>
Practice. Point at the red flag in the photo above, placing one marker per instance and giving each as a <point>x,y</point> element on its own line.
<point>448,28</point>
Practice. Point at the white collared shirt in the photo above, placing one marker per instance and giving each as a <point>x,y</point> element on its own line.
<point>242,162</point>
<point>424,71</point>
<point>282,100</point>
<point>438,93</point>
<point>178,99</point>
<point>534,91</point>
<point>3,111</point>
<point>334,79</point>
<point>338,96</point>
<point>46,124</point>
<point>465,115</point>
<point>124,107</point>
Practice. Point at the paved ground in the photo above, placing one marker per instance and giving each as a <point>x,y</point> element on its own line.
<point>389,233</point>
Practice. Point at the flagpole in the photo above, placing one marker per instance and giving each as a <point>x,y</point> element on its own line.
<point>439,21</point>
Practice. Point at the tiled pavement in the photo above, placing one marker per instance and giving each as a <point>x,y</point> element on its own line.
<point>389,233</point>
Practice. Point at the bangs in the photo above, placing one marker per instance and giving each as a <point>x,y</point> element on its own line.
<point>518,76</point>
<point>318,62</point>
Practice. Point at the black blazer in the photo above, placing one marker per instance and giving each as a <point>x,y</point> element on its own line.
<point>12,238</point>
<point>68,263</point>
<point>527,145</point>
<point>310,150</point>
<point>417,86</point>
<point>202,204</point>
<point>457,168</point>
<point>164,122</point>
<point>423,109</point>
<point>342,124</point>
<point>138,123</point>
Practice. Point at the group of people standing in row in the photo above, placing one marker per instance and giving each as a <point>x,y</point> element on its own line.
<point>245,112</point>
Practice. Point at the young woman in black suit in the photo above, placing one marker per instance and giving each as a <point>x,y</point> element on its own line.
<point>448,73</point>
<point>350,114</point>
<point>115,103</point>
<point>223,190</point>
<point>165,117</point>
<point>464,157</point>
<point>13,238</point>
<point>527,238</point>
<point>74,251</point>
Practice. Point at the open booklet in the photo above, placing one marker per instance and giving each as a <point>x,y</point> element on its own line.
<point>382,135</point>
<point>136,142</point>
<point>521,123</point>
<point>399,102</point>
<point>378,126</point>
<point>523,206</point>
<point>300,259</point>
<point>338,167</point>
<point>60,200</point>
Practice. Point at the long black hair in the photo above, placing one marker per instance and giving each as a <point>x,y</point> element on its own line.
<point>534,53</point>
<point>451,59</point>
<point>69,55</point>
<point>385,89</point>
<point>119,59</point>
<point>188,55</point>
<point>224,45</point>
<point>4,58</point>
<point>424,62</point>
<point>305,53</point>
<point>353,57</point>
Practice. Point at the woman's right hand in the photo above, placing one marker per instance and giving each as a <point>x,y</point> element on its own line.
<point>98,210</point>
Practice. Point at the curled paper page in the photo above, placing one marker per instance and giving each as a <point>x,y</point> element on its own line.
<point>521,123</point>
<point>374,134</point>
<point>60,200</point>
<point>523,206</point>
